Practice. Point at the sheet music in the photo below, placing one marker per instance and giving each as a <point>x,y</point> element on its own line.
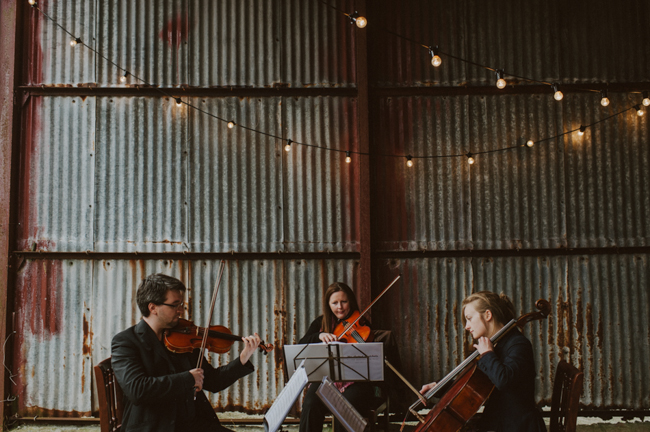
<point>278,412</point>
<point>340,407</point>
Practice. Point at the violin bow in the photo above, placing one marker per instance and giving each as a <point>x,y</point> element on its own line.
<point>204,342</point>
<point>368,308</point>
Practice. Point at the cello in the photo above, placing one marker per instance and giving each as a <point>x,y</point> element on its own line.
<point>468,388</point>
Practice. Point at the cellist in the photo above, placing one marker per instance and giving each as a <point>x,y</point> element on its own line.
<point>339,302</point>
<point>509,365</point>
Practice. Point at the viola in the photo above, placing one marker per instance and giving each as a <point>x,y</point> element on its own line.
<point>356,334</point>
<point>186,337</point>
<point>468,388</point>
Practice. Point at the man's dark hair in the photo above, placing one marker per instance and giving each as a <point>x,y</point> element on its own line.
<point>153,289</point>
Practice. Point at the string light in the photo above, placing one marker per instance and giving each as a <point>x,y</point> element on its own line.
<point>604,100</point>
<point>360,21</point>
<point>557,94</point>
<point>501,83</point>
<point>582,130</point>
<point>470,158</point>
<point>639,110</point>
<point>409,161</point>
<point>348,159</point>
<point>231,124</point>
<point>435,58</point>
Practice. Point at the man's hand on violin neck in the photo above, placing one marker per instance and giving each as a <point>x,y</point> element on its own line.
<point>198,379</point>
<point>251,343</point>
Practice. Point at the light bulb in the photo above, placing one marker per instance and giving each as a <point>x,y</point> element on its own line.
<point>501,83</point>
<point>581,131</point>
<point>470,159</point>
<point>348,159</point>
<point>530,143</point>
<point>646,99</point>
<point>123,77</point>
<point>435,58</point>
<point>639,110</point>
<point>287,147</point>
<point>74,42</point>
<point>179,102</point>
<point>604,100</point>
<point>31,2</point>
<point>361,22</point>
<point>409,161</point>
<point>231,124</point>
<point>557,94</point>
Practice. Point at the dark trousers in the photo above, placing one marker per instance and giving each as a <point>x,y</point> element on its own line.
<point>360,394</point>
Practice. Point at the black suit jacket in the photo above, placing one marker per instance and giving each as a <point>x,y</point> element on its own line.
<point>511,368</point>
<point>157,386</point>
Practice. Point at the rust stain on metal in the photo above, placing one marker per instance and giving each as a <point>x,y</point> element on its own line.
<point>175,30</point>
<point>87,336</point>
<point>44,412</point>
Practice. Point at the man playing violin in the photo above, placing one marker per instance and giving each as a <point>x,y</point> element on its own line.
<point>163,390</point>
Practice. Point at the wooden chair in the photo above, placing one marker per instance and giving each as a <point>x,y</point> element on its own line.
<point>110,398</point>
<point>567,389</point>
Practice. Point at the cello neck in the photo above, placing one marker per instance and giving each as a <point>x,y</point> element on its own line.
<point>458,369</point>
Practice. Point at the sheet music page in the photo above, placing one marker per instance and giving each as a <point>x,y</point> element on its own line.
<point>340,407</point>
<point>278,412</point>
<point>362,362</point>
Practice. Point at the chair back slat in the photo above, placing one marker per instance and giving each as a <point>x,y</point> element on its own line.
<point>565,401</point>
<point>109,396</point>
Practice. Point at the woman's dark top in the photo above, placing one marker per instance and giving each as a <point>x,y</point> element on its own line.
<point>511,368</point>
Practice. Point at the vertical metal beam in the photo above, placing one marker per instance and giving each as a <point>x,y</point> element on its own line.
<point>9,13</point>
<point>361,54</point>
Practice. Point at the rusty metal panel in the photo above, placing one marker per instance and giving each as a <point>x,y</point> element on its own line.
<point>318,44</point>
<point>505,200</point>
<point>235,43</point>
<point>610,297</point>
<point>50,58</point>
<point>597,318</point>
<point>516,197</point>
<point>321,197</point>
<point>142,164</point>
<point>606,172</point>
<point>580,42</point>
<point>57,175</point>
<point>422,207</point>
<point>52,343</point>
<point>147,38</point>
<point>235,189</point>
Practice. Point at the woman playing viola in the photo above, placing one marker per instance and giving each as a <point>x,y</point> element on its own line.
<point>339,302</point>
<point>509,365</point>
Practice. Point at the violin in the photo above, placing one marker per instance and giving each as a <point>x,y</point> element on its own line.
<point>356,334</point>
<point>471,388</point>
<point>186,337</point>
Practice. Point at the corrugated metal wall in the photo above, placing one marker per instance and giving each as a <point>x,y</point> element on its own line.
<point>126,173</point>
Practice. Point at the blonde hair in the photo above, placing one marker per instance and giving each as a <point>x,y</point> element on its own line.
<point>499,304</point>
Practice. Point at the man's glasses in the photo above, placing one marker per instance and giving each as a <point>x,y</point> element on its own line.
<point>175,306</point>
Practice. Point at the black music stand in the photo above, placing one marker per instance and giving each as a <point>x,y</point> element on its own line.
<point>340,407</point>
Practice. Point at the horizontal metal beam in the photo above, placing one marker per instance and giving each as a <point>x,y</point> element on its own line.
<point>134,91</point>
<point>237,256</point>
<point>512,252</point>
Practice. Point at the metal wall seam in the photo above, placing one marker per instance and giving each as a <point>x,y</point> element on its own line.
<point>57,192</point>
<point>321,194</point>
<point>141,181</point>
<point>235,176</point>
